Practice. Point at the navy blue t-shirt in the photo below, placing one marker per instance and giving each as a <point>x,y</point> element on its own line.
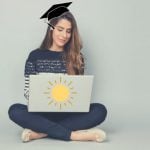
<point>44,60</point>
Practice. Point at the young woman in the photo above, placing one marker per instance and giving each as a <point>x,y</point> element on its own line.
<point>60,52</point>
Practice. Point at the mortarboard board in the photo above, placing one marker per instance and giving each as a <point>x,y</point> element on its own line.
<point>55,11</point>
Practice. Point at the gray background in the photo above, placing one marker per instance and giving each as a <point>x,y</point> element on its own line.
<point>116,38</point>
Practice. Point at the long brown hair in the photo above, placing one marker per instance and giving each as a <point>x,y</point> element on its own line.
<point>72,50</point>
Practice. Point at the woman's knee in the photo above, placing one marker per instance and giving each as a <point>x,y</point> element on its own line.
<point>100,111</point>
<point>13,110</point>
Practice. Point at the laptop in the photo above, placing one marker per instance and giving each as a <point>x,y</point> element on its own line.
<point>51,92</point>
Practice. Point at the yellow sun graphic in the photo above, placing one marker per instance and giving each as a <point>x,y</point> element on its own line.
<point>60,92</point>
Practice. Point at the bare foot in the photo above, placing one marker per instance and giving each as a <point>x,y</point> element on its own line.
<point>36,135</point>
<point>88,135</point>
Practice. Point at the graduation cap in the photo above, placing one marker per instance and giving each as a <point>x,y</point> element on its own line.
<point>55,11</point>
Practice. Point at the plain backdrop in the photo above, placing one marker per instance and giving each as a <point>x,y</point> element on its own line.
<point>116,44</point>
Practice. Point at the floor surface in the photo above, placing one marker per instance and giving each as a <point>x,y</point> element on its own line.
<point>121,138</point>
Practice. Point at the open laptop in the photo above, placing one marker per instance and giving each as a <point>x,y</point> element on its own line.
<point>51,92</point>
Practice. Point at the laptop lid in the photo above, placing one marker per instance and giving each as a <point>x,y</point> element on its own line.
<point>60,93</point>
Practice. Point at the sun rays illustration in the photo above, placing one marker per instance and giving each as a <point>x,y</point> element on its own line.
<point>60,92</point>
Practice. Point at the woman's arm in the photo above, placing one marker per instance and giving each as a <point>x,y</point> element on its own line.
<point>30,68</point>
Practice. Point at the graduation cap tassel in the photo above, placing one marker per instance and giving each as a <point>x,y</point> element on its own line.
<point>51,26</point>
<point>49,23</point>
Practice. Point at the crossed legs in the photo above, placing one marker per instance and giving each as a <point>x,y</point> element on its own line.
<point>62,126</point>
